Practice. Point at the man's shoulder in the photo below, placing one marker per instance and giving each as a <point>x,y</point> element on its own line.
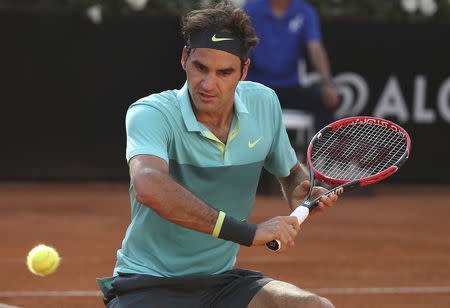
<point>245,88</point>
<point>256,95</point>
<point>163,101</point>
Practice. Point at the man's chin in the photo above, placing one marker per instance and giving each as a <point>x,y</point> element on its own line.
<point>205,106</point>
<point>206,109</point>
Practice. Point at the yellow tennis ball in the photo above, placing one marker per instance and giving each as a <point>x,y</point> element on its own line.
<point>43,260</point>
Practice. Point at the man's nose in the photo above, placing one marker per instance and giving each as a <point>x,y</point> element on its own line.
<point>208,82</point>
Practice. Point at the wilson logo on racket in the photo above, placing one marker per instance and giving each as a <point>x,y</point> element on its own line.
<point>364,155</point>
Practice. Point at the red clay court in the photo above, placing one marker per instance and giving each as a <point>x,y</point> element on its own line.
<point>390,249</point>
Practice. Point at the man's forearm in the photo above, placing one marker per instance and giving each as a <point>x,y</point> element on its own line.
<point>319,60</point>
<point>174,202</point>
<point>298,174</point>
<point>178,205</point>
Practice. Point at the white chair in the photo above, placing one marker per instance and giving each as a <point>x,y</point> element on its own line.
<point>303,124</point>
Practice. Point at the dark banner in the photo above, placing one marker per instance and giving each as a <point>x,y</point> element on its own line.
<point>67,83</point>
<point>400,72</point>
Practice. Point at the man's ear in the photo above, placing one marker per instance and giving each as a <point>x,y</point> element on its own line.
<point>184,56</point>
<point>245,69</point>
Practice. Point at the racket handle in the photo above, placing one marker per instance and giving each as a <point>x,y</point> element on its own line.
<point>301,212</point>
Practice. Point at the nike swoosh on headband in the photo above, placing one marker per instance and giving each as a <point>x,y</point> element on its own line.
<point>220,39</point>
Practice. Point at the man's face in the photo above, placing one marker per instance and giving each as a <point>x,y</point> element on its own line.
<point>212,76</point>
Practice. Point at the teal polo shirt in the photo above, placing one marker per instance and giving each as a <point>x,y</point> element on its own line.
<point>225,176</point>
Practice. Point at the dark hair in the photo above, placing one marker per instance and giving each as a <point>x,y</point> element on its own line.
<point>222,17</point>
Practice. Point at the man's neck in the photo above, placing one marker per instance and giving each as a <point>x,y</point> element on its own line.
<point>215,120</point>
<point>279,7</point>
<point>220,127</point>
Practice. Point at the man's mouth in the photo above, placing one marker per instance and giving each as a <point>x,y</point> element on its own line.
<point>206,97</point>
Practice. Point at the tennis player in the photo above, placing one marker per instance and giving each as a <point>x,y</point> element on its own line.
<point>195,157</point>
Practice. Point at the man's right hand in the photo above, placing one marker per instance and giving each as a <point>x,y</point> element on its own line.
<point>331,96</point>
<point>282,228</point>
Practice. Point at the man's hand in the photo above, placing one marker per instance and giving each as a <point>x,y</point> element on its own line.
<point>330,96</point>
<point>301,190</point>
<point>286,228</point>
<point>282,228</point>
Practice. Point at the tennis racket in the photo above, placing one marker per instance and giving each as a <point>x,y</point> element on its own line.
<point>352,152</point>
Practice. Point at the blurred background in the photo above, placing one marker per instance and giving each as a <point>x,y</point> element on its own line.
<point>70,69</point>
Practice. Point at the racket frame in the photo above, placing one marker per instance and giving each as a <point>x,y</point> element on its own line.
<point>357,121</point>
<point>340,185</point>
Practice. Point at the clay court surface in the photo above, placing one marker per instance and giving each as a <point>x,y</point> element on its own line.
<point>389,249</point>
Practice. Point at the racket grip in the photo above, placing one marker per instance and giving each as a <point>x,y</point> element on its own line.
<point>301,212</point>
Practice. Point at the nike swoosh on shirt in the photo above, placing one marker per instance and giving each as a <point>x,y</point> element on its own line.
<point>220,39</point>
<point>252,144</point>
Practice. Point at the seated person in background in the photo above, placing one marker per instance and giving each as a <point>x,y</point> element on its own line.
<point>286,29</point>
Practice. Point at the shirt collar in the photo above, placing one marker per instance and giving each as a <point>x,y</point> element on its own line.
<point>186,110</point>
<point>189,118</point>
<point>239,106</point>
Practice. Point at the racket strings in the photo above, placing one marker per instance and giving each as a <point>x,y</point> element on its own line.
<point>358,170</point>
<point>336,146</point>
<point>357,151</point>
<point>363,153</point>
<point>380,142</point>
<point>369,152</point>
<point>353,170</point>
<point>397,145</point>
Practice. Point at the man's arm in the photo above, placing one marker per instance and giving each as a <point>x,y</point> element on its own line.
<point>296,185</point>
<point>154,188</point>
<point>319,59</point>
<point>297,175</point>
<point>321,64</point>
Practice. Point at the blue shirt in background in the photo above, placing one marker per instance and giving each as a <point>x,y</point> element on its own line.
<point>282,41</point>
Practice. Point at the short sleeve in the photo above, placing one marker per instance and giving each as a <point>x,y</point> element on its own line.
<point>282,157</point>
<point>312,25</point>
<point>147,132</point>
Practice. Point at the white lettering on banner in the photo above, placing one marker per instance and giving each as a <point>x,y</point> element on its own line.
<point>420,113</point>
<point>443,100</point>
<point>392,103</point>
<point>355,94</point>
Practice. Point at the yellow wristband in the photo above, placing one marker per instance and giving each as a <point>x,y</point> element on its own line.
<point>218,225</point>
